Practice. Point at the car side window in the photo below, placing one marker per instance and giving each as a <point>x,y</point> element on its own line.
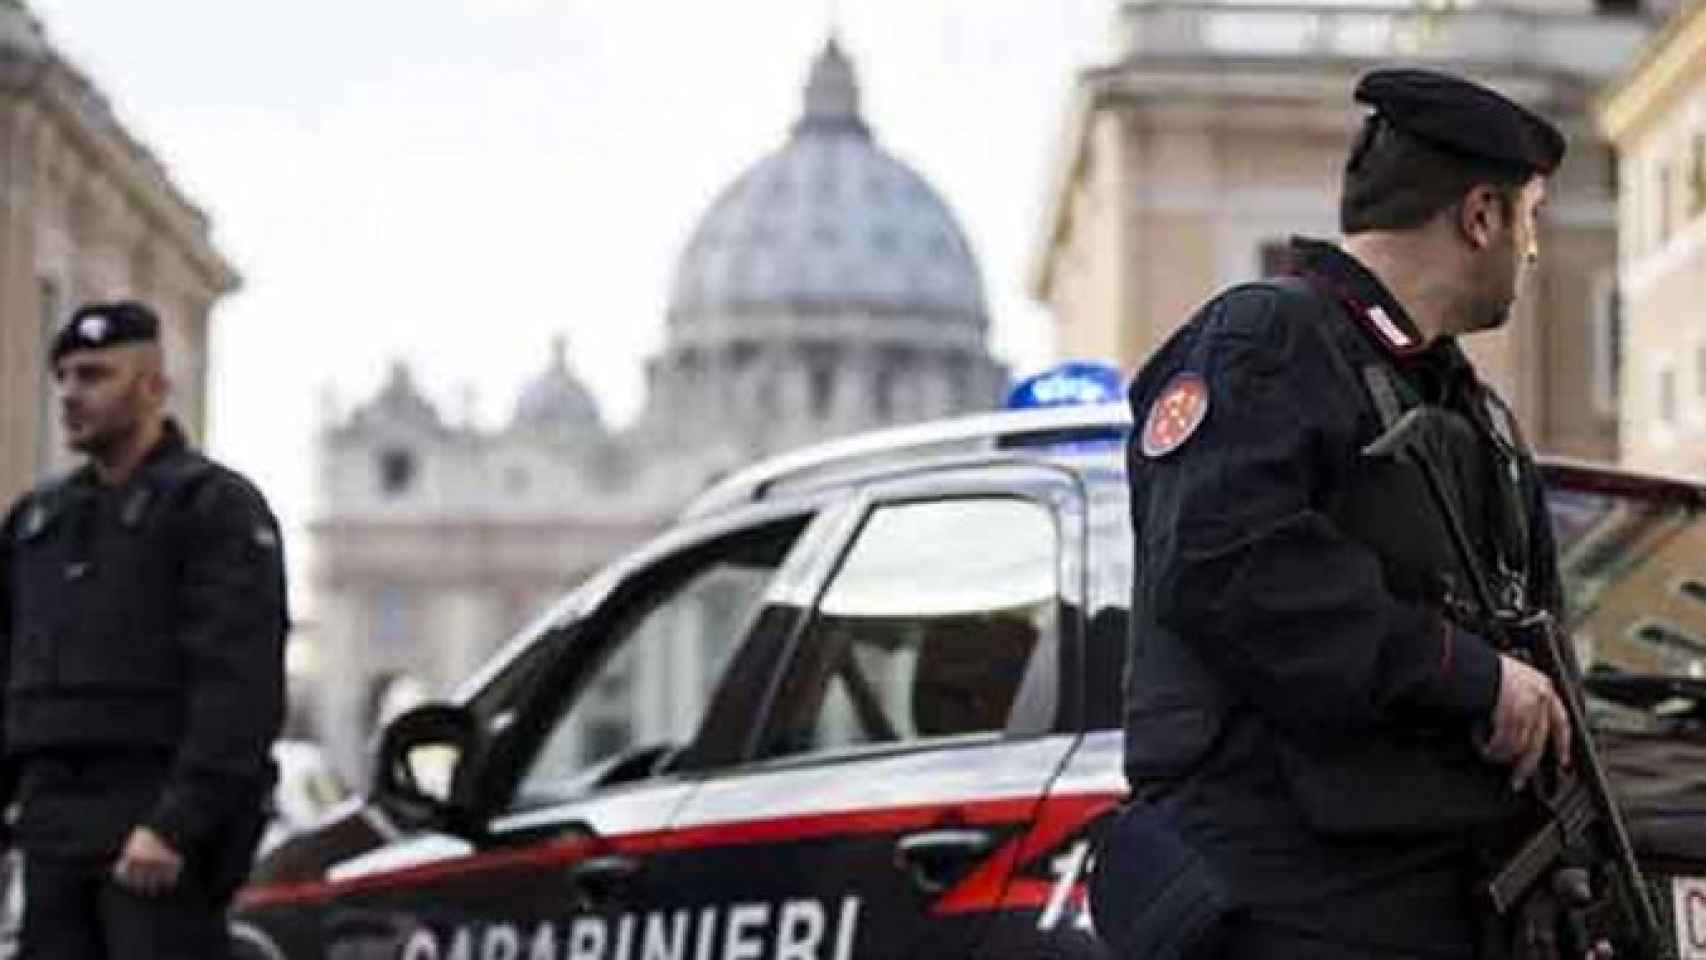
<point>653,667</point>
<point>941,617</point>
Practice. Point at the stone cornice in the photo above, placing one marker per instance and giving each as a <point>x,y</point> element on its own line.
<point>1660,75</point>
<point>85,117</point>
<point>1240,91</point>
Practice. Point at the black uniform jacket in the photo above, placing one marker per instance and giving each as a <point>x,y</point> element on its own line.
<point>142,631</point>
<point>1307,723</point>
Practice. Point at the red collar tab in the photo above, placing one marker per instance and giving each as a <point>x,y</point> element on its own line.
<point>1394,333</point>
<point>1394,337</point>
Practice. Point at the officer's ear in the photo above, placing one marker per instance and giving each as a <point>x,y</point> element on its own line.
<point>151,375</point>
<point>1480,215</point>
<point>159,387</point>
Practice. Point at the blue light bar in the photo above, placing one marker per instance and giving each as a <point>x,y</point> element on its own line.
<point>1073,383</point>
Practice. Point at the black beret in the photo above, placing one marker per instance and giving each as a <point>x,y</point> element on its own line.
<point>97,325</point>
<point>1462,117</point>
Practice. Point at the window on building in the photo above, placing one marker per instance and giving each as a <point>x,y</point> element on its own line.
<point>1667,396</point>
<point>1274,258</point>
<point>823,389</point>
<point>1697,174</point>
<point>393,626</point>
<point>1664,200</point>
<point>1607,343</point>
<point>959,383</point>
<point>396,472</point>
<point>882,395</point>
<point>1637,214</point>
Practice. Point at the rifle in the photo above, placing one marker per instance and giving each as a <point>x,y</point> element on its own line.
<point>1581,813</point>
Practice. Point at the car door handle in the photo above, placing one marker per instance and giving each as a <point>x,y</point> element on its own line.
<point>601,879</point>
<point>935,859</point>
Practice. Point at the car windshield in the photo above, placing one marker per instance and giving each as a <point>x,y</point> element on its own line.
<point>1635,578</point>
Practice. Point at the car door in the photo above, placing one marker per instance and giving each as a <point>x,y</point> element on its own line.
<point>581,780</point>
<point>916,722</point>
<point>1051,916</point>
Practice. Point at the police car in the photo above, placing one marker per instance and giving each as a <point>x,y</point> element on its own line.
<point>891,724</point>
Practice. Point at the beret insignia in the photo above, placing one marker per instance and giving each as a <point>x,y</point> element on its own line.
<point>93,328</point>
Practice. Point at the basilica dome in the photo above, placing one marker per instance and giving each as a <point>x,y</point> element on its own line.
<point>556,402</point>
<point>826,291</point>
<point>829,220</point>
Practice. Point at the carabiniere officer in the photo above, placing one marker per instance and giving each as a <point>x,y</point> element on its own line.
<point>1321,742</point>
<point>142,626</point>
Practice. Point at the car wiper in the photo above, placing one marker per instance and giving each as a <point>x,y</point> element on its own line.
<point>1682,698</point>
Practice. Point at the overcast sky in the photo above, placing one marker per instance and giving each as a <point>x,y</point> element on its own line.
<point>455,181</point>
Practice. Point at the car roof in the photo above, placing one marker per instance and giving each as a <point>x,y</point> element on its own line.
<point>1047,431</point>
<point>1074,435</point>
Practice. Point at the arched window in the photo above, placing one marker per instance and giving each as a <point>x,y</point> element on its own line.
<point>396,472</point>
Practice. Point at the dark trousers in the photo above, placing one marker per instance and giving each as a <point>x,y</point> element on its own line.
<point>74,910</point>
<point>76,813</point>
<point>1252,939</point>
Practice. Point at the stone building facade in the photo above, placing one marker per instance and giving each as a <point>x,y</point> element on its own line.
<point>827,289</point>
<point>1655,116</point>
<point>1220,131</point>
<point>87,213</point>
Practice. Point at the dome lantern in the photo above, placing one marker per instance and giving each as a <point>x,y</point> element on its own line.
<point>832,95</point>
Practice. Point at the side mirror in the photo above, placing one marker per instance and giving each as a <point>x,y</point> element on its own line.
<point>426,766</point>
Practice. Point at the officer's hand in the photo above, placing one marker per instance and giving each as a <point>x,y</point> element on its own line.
<point>1527,717</point>
<point>148,865</point>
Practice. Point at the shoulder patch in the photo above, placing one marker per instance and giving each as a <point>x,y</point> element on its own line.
<point>1178,410</point>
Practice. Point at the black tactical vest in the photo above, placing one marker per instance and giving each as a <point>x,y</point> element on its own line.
<point>94,662</point>
<point>1403,780</point>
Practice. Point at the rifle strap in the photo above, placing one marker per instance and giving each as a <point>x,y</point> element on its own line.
<point>1378,379</point>
<point>1385,395</point>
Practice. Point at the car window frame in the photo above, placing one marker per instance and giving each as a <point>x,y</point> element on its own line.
<point>570,642</point>
<point>1054,487</point>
